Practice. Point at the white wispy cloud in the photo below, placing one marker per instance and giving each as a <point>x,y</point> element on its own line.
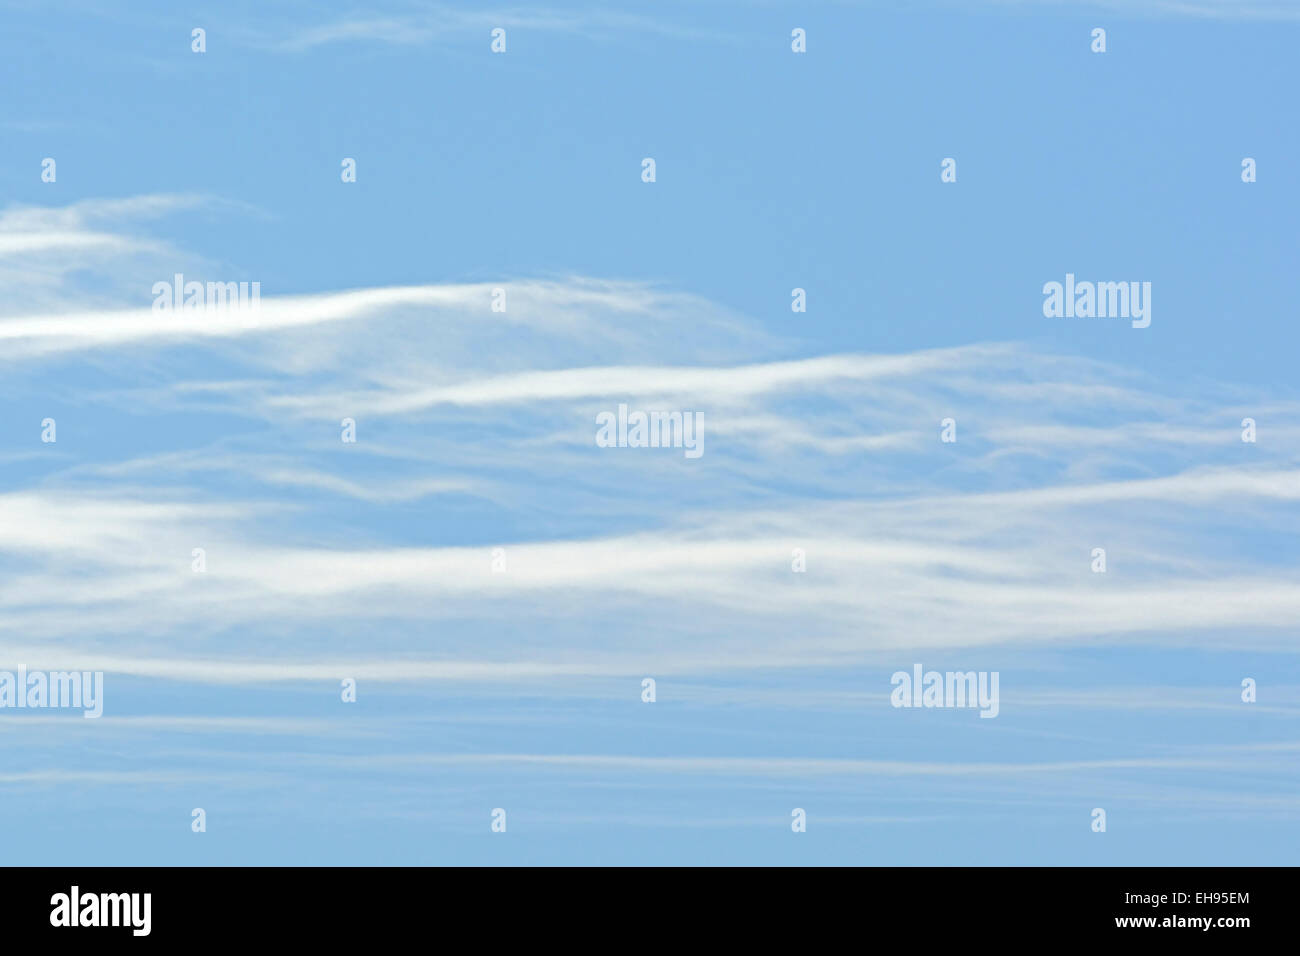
<point>402,25</point>
<point>1262,10</point>
<point>459,408</point>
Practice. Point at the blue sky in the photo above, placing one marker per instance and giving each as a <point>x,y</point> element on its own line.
<point>521,688</point>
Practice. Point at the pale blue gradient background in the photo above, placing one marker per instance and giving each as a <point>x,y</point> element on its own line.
<point>774,171</point>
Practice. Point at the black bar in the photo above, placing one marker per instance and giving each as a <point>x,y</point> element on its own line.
<point>651,907</point>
